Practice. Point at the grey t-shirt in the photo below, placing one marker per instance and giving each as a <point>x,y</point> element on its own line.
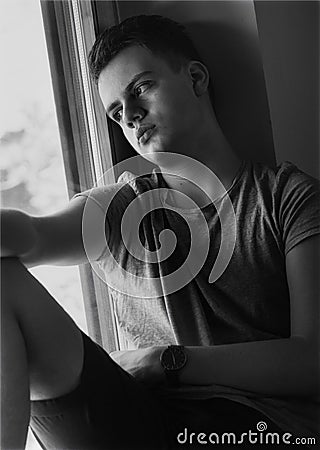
<point>275,209</point>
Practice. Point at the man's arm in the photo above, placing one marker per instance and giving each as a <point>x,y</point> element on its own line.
<point>274,367</point>
<point>54,239</point>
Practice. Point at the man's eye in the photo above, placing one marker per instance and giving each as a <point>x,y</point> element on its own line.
<point>141,88</point>
<point>117,115</point>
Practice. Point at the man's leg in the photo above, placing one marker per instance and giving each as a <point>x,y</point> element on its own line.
<point>41,350</point>
<point>95,405</point>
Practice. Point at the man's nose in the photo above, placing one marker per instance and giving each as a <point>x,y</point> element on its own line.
<point>133,113</point>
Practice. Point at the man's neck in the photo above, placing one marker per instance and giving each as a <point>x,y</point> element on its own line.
<point>196,181</point>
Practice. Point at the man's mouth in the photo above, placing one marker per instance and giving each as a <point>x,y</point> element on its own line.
<point>145,135</point>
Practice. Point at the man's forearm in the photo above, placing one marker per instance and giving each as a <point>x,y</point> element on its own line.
<point>17,233</point>
<point>274,367</point>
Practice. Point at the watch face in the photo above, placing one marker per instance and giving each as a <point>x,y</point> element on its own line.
<point>173,358</point>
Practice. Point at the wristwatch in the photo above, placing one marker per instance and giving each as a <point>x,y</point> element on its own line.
<point>173,359</point>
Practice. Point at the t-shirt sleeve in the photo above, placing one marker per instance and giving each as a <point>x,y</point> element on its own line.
<point>299,206</point>
<point>101,222</point>
<point>95,225</point>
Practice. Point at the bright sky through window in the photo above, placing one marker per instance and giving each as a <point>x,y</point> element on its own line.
<point>31,166</point>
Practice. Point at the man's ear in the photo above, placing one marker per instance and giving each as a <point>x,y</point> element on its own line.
<point>199,76</point>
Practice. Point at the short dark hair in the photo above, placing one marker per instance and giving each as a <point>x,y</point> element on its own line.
<point>159,34</point>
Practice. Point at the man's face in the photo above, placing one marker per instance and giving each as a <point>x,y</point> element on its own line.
<point>155,106</point>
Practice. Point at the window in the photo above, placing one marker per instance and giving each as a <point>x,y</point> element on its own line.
<point>52,131</point>
<point>32,173</point>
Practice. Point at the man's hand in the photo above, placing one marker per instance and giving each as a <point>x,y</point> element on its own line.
<point>144,364</point>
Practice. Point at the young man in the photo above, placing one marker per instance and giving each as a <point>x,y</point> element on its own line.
<point>248,342</point>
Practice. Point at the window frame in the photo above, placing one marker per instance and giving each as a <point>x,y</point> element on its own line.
<point>70,31</point>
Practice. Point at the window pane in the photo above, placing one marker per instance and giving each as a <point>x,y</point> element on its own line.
<point>32,174</point>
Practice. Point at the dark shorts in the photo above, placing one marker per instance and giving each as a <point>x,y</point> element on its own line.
<point>111,410</point>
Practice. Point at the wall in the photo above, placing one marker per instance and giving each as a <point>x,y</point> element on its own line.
<point>289,40</point>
